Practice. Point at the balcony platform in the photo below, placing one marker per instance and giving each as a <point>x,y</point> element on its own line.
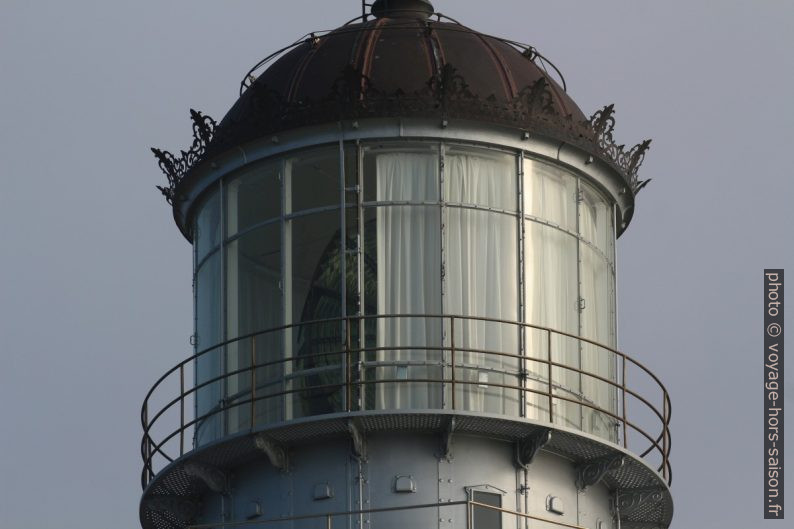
<point>643,494</point>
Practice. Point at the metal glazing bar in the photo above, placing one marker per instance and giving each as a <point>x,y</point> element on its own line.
<point>548,364</point>
<point>348,367</point>
<point>182,410</point>
<point>452,355</point>
<point>253,382</point>
<point>623,392</point>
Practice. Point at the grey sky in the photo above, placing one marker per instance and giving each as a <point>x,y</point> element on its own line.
<point>95,299</point>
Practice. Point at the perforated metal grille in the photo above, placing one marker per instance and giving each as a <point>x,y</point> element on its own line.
<point>232,452</point>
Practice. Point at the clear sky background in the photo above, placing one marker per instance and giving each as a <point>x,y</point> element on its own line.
<point>95,279</point>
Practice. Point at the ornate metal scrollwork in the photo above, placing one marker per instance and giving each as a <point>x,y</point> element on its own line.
<point>276,453</point>
<point>175,168</point>
<point>602,123</point>
<point>591,472</point>
<point>528,447</point>
<point>446,95</point>
<point>534,100</point>
<point>629,500</point>
<point>214,478</point>
<point>446,440</point>
<point>359,442</point>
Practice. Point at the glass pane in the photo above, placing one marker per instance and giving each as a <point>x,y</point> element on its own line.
<point>480,177</point>
<point>405,275</point>
<point>550,194</point>
<point>598,325</point>
<point>552,302</point>
<point>253,197</point>
<point>316,295</point>
<point>314,179</point>
<point>595,218</point>
<point>208,333</point>
<point>408,175</point>
<point>207,235</point>
<point>483,517</point>
<point>254,304</point>
<point>482,280</point>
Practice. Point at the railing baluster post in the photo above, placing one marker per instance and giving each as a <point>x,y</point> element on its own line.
<point>548,363</point>
<point>147,447</point>
<point>253,381</point>
<point>664,434</point>
<point>329,522</point>
<point>452,355</point>
<point>625,425</point>
<point>181,409</point>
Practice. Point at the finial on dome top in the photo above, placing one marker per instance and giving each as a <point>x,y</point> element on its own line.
<point>402,8</point>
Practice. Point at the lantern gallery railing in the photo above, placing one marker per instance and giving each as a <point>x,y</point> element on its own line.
<point>405,362</point>
<point>472,510</point>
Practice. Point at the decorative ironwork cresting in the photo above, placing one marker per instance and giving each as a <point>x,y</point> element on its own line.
<point>446,95</point>
<point>176,168</point>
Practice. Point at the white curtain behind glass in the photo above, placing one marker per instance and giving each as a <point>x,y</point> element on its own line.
<point>409,280</point>
<point>551,297</point>
<point>550,194</point>
<point>597,316</point>
<point>551,282</point>
<point>482,278</point>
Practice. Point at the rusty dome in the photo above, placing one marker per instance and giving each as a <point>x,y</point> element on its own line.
<point>397,66</point>
<point>403,61</point>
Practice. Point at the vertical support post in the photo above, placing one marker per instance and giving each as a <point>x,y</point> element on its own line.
<point>253,381</point>
<point>349,367</point>
<point>147,447</point>
<point>329,524</point>
<point>469,515</point>
<point>452,355</point>
<point>523,368</point>
<point>548,363</point>
<point>664,434</point>
<point>181,409</point>
<point>623,388</point>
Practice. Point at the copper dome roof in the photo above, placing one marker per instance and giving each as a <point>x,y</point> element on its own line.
<point>402,66</point>
<point>403,63</point>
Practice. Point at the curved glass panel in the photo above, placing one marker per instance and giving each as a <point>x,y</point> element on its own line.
<point>595,218</point>
<point>254,303</point>
<point>598,325</point>
<point>550,194</point>
<point>253,197</point>
<point>207,235</point>
<point>412,250</point>
<point>401,173</point>
<point>551,282</point>
<point>313,178</point>
<point>315,284</point>
<point>409,283</point>
<point>480,177</point>
<point>208,333</point>
<point>407,268</point>
<point>476,286</point>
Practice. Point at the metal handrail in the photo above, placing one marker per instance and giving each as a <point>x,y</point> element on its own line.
<point>150,448</point>
<point>329,516</point>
